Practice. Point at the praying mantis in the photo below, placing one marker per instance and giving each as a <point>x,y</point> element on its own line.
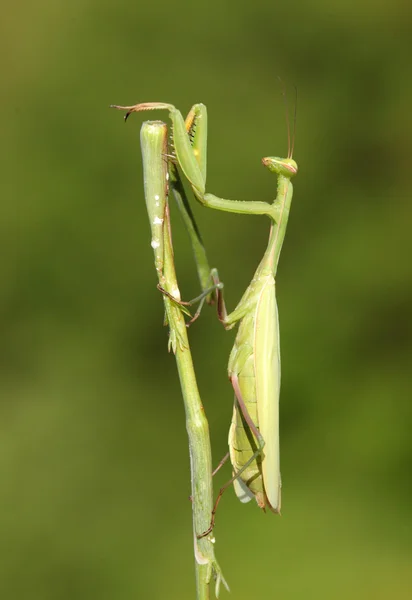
<point>254,363</point>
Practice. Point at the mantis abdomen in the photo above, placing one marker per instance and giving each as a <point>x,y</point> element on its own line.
<point>254,369</point>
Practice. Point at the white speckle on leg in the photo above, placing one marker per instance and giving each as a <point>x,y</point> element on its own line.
<point>157,221</point>
<point>157,197</point>
<point>154,244</point>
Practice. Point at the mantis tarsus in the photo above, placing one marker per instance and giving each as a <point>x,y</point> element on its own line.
<point>254,363</point>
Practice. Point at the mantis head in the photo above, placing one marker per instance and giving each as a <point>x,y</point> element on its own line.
<point>282,166</point>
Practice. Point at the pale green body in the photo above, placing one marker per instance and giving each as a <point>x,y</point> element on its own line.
<point>254,365</point>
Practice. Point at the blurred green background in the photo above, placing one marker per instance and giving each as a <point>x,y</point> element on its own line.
<point>93,451</point>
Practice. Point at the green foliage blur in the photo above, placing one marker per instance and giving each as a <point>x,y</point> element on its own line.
<point>94,462</point>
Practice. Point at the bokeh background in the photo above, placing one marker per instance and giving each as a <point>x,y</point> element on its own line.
<point>93,452</point>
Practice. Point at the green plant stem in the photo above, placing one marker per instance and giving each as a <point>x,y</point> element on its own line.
<point>153,142</point>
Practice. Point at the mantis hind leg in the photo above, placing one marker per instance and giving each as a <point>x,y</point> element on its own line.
<point>260,445</point>
<point>221,463</point>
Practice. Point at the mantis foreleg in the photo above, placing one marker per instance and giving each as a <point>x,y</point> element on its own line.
<point>189,139</point>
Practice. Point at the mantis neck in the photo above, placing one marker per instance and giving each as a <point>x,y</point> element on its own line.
<point>281,207</point>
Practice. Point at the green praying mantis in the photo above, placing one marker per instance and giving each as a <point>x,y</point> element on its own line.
<point>254,363</point>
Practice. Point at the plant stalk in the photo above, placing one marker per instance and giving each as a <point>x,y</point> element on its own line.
<point>154,150</point>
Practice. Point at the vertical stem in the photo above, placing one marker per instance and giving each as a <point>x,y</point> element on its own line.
<point>153,142</point>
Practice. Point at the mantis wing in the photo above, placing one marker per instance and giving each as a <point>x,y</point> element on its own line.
<point>267,369</point>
